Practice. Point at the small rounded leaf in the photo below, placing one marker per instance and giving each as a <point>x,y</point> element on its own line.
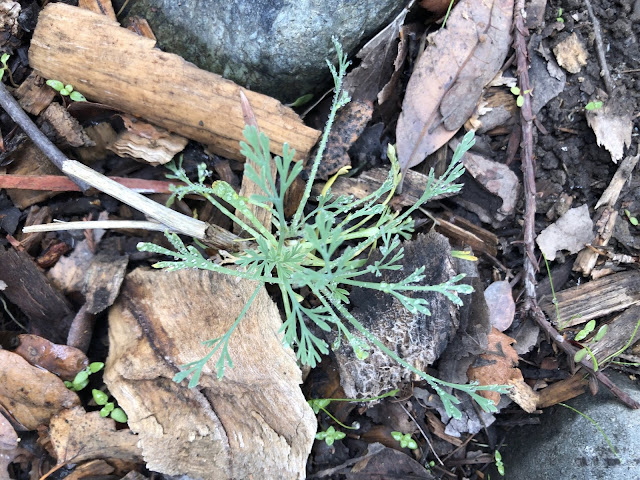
<point>68,88</point>
<point>119,416</point>
<point>77,97</point>
<point>81,377</point>
<point>99,397</point>
<point>602,331</point>
<point>95,367</point>
<point>55,84</point>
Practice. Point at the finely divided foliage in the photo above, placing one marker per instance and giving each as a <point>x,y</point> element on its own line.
<point>323,249</point>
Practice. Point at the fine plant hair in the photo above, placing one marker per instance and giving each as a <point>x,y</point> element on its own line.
<point>322,248</point>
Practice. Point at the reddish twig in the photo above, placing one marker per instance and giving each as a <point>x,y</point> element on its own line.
<point>528,170</point>
<point>59,183</point>
<point>528,164</point>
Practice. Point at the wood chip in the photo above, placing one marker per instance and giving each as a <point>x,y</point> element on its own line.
<point>255,421</point>
<point>594,299</point>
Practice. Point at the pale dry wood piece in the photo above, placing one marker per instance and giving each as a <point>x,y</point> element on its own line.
<point>523,394</point>
<point>77,436</point>
<point>92,469</point>
<point>29,160</point>
<point>34,95</point>
<point>154,151</point>
<point>563,390</point>
<point>141,27</point>
<point>437,428</point>
<point>595,299</point>
<point>103,7</point>
<point>112,65</point>
<point>102,135</point>
<point>31,394</point>
<point>36,216</point>
<point>619,334</point>
<point>249,187</point>
<point>103,280</point>
<point>606,216</point>
<point>255,421</point>
<point>29,289</point>
<point>57,123</point>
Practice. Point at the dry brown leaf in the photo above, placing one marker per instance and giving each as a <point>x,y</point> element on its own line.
<point>31,395</point>
<point>377,56</point>
<point>62,360</point>
<point>77,436</point>
<point>497,366</point>
<point>447,81</point>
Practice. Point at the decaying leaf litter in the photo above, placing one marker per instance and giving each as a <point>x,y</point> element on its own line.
<point>476,83</point>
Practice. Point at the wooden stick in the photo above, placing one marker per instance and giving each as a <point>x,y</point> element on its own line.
<point>85,177</point>
<point>57,226</point>
<point>60,183</point>
<point>112,65</point>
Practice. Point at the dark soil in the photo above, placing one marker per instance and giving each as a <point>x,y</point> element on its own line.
<point>570,164</point>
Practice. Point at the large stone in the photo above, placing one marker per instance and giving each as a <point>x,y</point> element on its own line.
<point>276,47</point>
<point>567,446</point>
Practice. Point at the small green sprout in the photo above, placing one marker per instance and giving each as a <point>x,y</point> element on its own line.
<point>318,404</point>
<point>499,465</point>
<point>81,380</point>
<point>632,220</point>
<point>595,424</point>
<point>559,17</point>
<point>582,334</point>
<point>4,58</point>
<point>303,100</point>
<point>108,408</point>
<point>405,440</point>
<point>66,90</point>
<point>330,435</point>
<point>520,95</point>
<point>593,105</point>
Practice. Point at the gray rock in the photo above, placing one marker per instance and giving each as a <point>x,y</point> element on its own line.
<point>276,47</point>
<point>567,446</point>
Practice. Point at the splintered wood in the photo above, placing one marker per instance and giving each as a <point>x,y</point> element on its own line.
<point>112,65</point>
<point>255,421</point>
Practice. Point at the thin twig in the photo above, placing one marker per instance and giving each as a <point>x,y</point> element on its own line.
<point>528,170</point>
<point>424,435</point>
<point>85,177</point>
<point>604,68</point>
<point>526,154</point>
<point>57,226</point>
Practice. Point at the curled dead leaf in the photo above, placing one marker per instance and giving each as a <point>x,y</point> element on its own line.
<point>447,81</point>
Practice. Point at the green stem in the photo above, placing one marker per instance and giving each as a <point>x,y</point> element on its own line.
<point>335,105</point>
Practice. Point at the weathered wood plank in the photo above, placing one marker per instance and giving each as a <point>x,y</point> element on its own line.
<point>112,65</point>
